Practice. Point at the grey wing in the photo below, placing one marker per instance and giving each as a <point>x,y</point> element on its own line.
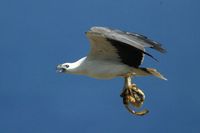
<point>105,47</point>
<point>136,40</point>
<point>142,40</point>
<point>101,48</point>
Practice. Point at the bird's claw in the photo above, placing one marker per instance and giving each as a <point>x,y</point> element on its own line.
<point>134,96</point>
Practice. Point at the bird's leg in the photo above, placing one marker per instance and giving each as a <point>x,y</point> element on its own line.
<point>134,96</point>
<point>127,86</point>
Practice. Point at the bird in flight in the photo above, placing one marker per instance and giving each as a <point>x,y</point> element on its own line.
<point>115,53</point>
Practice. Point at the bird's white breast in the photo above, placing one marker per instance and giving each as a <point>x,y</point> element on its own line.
<point>105,69</point>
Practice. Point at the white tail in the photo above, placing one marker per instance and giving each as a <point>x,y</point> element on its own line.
<point>154,72</point>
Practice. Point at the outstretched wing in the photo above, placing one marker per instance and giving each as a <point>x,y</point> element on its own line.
<point>116,45</point>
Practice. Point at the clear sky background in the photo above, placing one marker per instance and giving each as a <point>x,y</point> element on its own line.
<point>36,35</point>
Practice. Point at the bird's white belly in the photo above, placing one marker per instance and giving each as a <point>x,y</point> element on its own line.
<point>106,70</point>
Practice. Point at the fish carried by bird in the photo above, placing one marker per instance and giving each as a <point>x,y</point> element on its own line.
<point>115,53</point>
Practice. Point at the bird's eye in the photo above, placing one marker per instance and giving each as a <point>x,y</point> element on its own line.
<point>66,66</point>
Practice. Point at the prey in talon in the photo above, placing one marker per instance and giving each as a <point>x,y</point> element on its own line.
<point>116,54</point>
<point>134,96</point>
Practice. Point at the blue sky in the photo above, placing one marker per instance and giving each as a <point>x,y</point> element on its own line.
<point>36,35</point>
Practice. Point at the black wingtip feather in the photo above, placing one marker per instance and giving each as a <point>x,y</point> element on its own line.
<point>155,45</point>
<point>159,48</point>
<point>151,56</point>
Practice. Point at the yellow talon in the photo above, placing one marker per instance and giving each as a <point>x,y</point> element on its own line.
<point>134,96</point>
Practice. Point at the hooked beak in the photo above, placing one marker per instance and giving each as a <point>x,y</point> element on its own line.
<point>60,68</point>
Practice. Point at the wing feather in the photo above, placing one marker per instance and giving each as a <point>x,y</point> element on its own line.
<point>116,45</point>
<point>137,40</point>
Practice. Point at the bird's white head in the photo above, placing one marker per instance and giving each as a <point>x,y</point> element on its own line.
<point>63,68</point>
<point>75,67</point>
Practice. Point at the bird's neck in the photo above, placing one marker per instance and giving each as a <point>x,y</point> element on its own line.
<point>78,66</point>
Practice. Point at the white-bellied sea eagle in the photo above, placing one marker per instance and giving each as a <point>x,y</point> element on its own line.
<point>115,53</point>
